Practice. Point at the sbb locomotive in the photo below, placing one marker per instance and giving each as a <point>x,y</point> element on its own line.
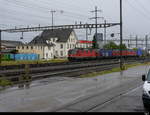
<point>93,54</point>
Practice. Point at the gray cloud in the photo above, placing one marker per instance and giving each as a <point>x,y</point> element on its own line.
<point>136,18</point>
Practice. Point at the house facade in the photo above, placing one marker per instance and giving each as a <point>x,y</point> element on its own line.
<point>51,44</point>
<point>44,51</point>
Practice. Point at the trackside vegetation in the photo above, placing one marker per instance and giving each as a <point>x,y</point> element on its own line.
<point>126,66</point>
<point>7,63</point>
<point>4,82</point>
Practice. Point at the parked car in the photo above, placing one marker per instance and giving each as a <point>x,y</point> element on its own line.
<point>146,90</point>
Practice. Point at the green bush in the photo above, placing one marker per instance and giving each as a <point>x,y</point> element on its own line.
<point>4,82</point>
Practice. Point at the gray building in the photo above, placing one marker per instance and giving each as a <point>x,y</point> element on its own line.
<point>11,45</point>
<point>100,40</point>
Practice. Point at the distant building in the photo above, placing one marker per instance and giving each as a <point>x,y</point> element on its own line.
<point>100,40</point>
<point>8,46</point>
<point>51,44</point>
<point>11,45</point>
<point>84,44</point>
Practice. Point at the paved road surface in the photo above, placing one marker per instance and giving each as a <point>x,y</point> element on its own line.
<point>78,94</point>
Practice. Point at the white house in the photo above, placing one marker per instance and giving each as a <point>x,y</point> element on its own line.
<point>54,43</point>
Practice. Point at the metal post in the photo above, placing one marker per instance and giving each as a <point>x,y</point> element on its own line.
<point>128,43</point>
<point>53,11</point>
<point>136,41</point>
<point>86,35</point>
<point>121,36</point>
<point>0,47</point>
<point>52,19</point>
<point>96,21</point>
<point>146,41</point>
<point>105,33</point>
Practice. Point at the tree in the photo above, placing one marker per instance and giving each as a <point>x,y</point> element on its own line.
<point>14,51</point>
<point>95,45</point>
<point>123,46</point>
<point>135,49</point>
<point>111,45</point>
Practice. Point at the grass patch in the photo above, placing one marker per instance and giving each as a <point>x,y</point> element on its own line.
<point>7,63</point>
<point>137,64</point>
<point>94,74</point>
<point>4,82</point>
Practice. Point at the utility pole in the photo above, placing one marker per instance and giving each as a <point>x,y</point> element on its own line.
<point>96,17</point>
<point>146,41</point>
<point>52,12</point>
<point>130,40</point>
<point>121,36</point>
<point>0,47</point>
<point>86,35</point>
<point>105,33</point>
<point>136,41</point>
<point>128,43</point>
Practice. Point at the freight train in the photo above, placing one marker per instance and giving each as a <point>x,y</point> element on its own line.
<point>12,57</point>
<point>93,54</point>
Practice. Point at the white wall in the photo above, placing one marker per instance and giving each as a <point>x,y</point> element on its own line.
<point>48,52</point>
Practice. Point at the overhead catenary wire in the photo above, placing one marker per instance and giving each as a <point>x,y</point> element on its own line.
<point>138,11</point>
<point>143,7</point>
<point>67,12</point>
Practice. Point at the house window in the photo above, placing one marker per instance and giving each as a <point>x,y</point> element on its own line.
<point>46,55</point>
<point>49,48</point>
<point>32,47</point>
<point>56,53</point>
<point>61,46</point>
<point>27,47</point>
<point>68,46</point>
<point>61,53</point>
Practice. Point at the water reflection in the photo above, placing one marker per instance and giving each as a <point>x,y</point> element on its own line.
<point>121,73</point>
<point>24,85</point>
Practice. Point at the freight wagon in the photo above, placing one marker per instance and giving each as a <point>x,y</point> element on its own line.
<point>10,57</point>
<point>88,54</point>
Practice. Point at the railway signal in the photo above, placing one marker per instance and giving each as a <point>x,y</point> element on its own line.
<point>112,35</point>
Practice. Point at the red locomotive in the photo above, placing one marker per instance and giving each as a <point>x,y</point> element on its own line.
<point>88,54</point>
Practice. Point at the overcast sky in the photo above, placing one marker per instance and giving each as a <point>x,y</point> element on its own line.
<point>20,13</point>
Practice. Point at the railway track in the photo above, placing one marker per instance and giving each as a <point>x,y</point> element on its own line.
<point>22,66</point>
<point>67,70</point>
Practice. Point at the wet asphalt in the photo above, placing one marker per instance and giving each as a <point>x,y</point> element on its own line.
<point>115,92</point>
